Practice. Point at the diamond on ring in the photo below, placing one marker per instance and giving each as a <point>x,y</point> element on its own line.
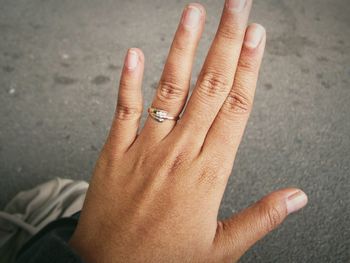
<point>160,115</point>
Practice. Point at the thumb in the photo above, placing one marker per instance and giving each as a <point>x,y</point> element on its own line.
<point>237,234</point>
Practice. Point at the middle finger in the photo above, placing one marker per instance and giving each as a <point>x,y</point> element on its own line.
<point>217,75</point>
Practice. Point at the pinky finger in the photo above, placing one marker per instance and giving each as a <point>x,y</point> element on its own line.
<point>129,106</point>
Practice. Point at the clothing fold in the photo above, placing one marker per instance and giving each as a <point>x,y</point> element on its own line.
<point>31,210</point>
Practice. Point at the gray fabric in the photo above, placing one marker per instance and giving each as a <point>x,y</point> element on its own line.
<point>29,211</point>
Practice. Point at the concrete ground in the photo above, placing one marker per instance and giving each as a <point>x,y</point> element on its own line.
<point>59,66</point>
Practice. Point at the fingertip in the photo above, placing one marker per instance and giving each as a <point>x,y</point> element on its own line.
<point>255,35</point>
<point>199,6</point>
<point>193,17</point>
<point>139,52</point>
<point>293,199</point>
<point>296,200</point>
<point>133,59</point>
<point>256,221</point>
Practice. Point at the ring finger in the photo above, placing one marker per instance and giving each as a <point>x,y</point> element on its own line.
<point>174,84</point>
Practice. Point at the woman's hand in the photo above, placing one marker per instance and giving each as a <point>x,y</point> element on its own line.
<point>155,195</point>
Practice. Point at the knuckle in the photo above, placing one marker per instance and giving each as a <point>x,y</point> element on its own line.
<point>144,159</point>
<point>272,216</point>
<point>175,156</point>
<point>248,64</point>
<point>177,162</point>
<point>213,167</point>
<point>180,45</point>
<point>210,172</point>
<point>231,32</point>
<point>124,112</point>
<point>213,84</point>
<point>125,84</point>
<point>207,176</point>
<point>238,102</point>
<point>170,91</point>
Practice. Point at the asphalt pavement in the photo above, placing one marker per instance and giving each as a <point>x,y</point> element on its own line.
<point>60,63</point>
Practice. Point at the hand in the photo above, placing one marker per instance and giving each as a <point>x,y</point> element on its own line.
<point>155,196</point>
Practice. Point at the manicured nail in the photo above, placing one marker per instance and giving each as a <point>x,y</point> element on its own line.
<point>236,5</point>
<point>254,35</point>
<point>296,201</point>
<point>132,59</point>
<point>192,16</point>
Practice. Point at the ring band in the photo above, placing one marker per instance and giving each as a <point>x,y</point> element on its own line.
<point>161,115</point>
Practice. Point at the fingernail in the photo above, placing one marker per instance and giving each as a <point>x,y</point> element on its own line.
<point>254,35</point>
<point>296,201</point>
<point>236,5</point>
<point>132,59</point>
<point>192,16</point>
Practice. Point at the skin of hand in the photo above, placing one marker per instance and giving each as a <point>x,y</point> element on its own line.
<point>155,194</point>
